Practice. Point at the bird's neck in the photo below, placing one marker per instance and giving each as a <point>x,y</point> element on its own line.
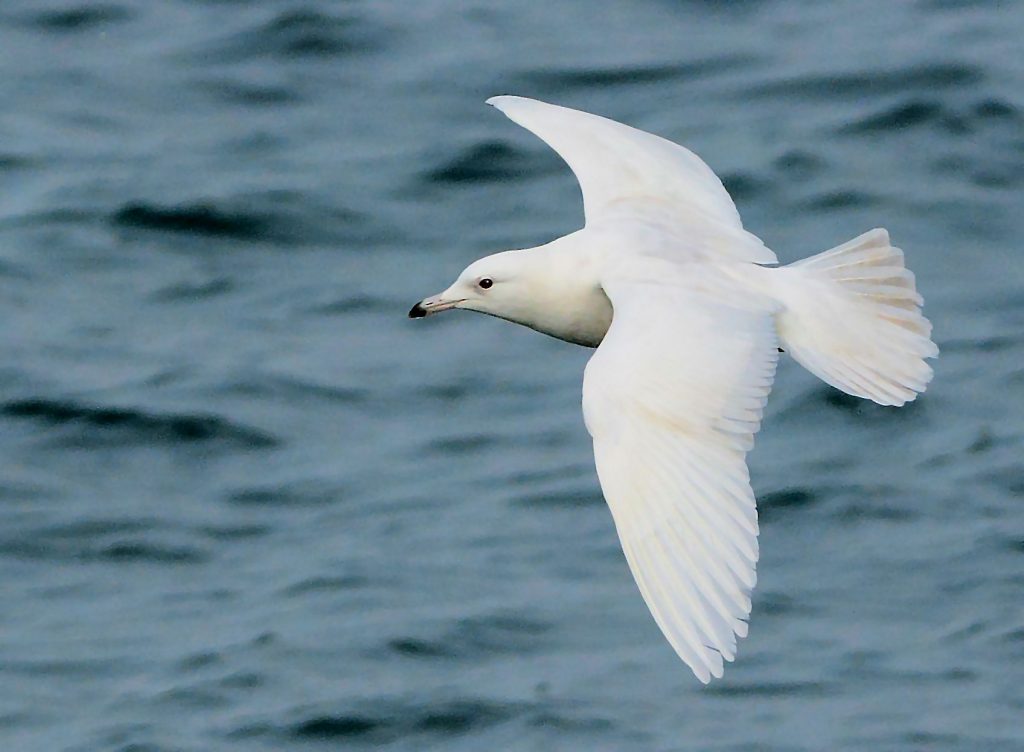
<point>566,300</point>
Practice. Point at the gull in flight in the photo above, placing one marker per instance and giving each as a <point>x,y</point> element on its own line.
<point>688,312</point>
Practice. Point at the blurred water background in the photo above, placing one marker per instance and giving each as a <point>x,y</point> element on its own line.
<point>246,504</point>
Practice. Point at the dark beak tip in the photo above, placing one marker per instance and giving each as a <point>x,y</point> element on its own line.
<point>417,311</point>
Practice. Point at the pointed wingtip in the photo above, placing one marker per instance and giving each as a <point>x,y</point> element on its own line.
<point>504,101</point>
<point>501,101</point>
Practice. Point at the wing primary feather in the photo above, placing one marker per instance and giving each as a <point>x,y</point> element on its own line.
<point>727,550</point>
<point>682,637</point>
<point>692,538</point>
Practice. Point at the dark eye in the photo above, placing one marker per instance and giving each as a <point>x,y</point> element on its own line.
<point>486,283</point>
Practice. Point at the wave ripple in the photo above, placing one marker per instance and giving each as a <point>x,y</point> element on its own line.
<point>132,426</point>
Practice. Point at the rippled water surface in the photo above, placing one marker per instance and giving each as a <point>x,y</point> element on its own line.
<point>246,504</point>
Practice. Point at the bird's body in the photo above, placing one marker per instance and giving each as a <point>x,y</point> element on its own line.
<point>688,317</point>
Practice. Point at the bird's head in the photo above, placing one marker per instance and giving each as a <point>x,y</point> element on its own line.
<point>497,285</point>
<point>552,288</point>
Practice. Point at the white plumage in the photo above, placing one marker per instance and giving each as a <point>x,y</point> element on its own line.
<point>688,321</point>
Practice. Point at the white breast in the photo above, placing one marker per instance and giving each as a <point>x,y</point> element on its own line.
<point>565,299</point>
<point>584,320</point>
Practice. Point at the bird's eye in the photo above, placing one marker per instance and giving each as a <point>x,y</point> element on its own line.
<point>486,283</point>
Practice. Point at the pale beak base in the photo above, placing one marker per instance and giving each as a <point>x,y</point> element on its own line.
<point>429,306</point>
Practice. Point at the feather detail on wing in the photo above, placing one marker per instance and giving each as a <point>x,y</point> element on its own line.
<point>672,398</point>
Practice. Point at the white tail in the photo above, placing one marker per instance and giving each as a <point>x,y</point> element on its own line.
<point>852,317</point>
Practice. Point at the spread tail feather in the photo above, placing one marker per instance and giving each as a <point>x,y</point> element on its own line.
<point>852,317</point>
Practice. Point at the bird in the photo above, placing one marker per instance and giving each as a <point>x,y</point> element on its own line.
<point>689,313</point>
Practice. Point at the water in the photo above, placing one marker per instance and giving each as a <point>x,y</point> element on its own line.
<point>245,504</point>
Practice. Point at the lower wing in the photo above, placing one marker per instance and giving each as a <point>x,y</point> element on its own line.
<point>672,398</point>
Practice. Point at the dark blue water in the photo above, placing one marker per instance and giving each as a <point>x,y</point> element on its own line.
<point>245,504</point>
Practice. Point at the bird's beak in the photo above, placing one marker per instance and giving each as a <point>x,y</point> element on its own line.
<point>433,304</point>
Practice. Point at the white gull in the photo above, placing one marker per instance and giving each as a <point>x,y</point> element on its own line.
<point>688,313</point>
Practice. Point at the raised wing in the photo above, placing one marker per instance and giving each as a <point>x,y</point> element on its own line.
<point>672,398</point>
<point>618,166</point>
